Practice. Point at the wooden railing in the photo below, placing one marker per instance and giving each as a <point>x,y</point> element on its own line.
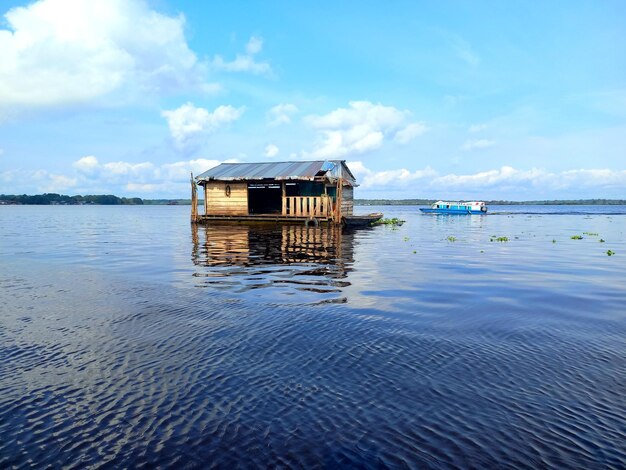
<point>307,206</point>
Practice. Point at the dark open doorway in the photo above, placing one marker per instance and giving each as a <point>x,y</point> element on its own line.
<point>265,198</point>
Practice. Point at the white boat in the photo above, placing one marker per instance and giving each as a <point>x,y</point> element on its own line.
<point>447,207</point>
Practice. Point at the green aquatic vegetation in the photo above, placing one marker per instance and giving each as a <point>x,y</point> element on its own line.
<point>451,239</point>
<point>591,234</point>
<point>393,222</point>
<point>498,239</point>
<point>610,252</point>
<point>553,240</point>
<point>406,239</point>
<point>414,251</point>
<point>601,240</point>
<point>576,237</point>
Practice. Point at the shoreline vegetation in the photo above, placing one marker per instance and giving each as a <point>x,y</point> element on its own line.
<point>556,202</point>
<point>54,199</point>
<point>111,200</point>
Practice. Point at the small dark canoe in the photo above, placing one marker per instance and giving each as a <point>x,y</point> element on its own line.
<point>361,220</point>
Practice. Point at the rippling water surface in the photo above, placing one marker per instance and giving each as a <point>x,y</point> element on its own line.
<point>129,338</point>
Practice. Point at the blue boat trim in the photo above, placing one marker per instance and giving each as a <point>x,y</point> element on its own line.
<point>446,207</point>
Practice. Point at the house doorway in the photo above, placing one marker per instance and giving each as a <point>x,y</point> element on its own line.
<point>265,198</point>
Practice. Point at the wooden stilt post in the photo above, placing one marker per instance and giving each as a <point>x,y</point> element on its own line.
<point>339,199</point>
<point>194,201</point>
<point>284,197</point>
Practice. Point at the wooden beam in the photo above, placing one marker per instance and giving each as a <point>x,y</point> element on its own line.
<point>284,188</point>
<point>194,201</point>
<point>339,198</point>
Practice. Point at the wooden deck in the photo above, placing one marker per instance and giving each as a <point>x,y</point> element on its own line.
<point>307,206</point>
<point>263,218</point>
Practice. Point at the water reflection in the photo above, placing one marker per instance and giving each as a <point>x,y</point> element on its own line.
<point>293,258</point>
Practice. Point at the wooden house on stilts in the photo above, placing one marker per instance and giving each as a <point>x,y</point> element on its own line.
<point>306,191</point>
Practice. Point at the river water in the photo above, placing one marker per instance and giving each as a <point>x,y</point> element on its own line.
<point>130,338</point>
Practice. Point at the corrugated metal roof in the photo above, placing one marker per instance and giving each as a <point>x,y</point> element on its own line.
<point>271,170</point>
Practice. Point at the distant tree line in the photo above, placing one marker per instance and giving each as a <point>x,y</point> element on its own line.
<point>427,202</point>
<point>54,199</point>
<point>393,202</point>
<point>168,202</point>
<point>563,202</point>
<point>111,200</point>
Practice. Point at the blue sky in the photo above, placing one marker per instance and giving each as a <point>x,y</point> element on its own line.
<point>451,99</point>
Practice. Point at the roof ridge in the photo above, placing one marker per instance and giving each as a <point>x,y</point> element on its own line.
<point>301,169</point>
<point>273,163</point>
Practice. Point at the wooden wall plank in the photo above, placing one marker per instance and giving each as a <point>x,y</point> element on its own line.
<point>347,200</point>
<point>218,203</point>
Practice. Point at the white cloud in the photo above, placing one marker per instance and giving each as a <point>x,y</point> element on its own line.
<point>451,101</point>
<point>476,128</point>
<point>89,168</point>
<point>67,52</point>
<point>503,182</point>
<point>490,178</point>
<point>8,176</point>
<point>180,171</point>
<point>271,150</point>
<point>360,128</point>
<point>188,121</point>
<point>592,178</point>
<point>86,164</point>
<point>509,177</point>
<point>125,169</point>
<point>141,188</point>
<point>142,178</point>
<point>254,46</point>
<point>612,102</point>
<point>241,63</point>
<point>146,179</point>
<point>360,112</point>
<point>245,62</point>
<point>399,177</point>
<point>411,131</point>
<point>281,114</point>
<point>52,183</point>
<point>477,144</point>
<point>464,51</point>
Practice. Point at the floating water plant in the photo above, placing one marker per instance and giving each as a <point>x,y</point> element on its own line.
<point>601,240</point>
<point>553,240</point>
<point>406,239</point>
<point>498,239</point>
<point>395,221</point>
<point>591,234</point>
<point>451,239</point>
<point>576,237</point>
<point>610,253</point>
